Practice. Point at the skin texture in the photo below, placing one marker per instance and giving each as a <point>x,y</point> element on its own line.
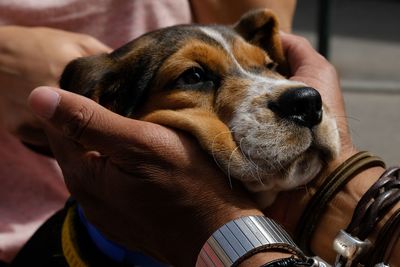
<point>129,162</point>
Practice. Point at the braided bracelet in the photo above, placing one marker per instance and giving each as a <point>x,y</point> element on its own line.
<point>331,185</point>
<point>351,244</point>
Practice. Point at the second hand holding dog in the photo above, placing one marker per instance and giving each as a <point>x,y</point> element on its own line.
<point>311,68</point>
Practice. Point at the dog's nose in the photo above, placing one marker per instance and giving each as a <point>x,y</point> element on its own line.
<point>301,105</point>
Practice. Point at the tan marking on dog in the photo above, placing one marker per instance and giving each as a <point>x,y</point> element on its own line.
<point>249,55</point>
<point>230,96</point>
<point>194,53</point>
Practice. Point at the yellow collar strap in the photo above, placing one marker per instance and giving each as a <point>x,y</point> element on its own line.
<point>69,241</point>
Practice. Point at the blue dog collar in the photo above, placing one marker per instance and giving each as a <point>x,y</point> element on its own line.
<point>114,251</point>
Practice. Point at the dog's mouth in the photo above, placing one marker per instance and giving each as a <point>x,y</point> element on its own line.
<point>268,163</point>
<point>284,155</point>
<point>306,166</point>
<point>266,180</point>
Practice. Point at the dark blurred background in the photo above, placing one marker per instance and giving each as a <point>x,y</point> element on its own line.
<point>364,45</point>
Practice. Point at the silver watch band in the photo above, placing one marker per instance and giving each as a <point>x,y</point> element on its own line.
<point>243,237</point>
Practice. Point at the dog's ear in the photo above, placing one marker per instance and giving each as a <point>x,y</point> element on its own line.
<point>106,81</point>
<point>83,75</point>
<point>260,27</point>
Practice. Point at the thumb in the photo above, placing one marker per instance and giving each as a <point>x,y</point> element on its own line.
<point>91,125</point>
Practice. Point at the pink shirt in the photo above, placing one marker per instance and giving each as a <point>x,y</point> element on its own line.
<point>114,22</point>
<point>31,186</point>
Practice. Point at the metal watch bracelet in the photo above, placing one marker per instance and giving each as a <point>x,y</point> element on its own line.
<point>241,238</point>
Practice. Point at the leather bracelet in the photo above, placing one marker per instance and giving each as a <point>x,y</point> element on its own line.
<point>239,239</point>
<point>351,244</point>
<point>386,240</point>
<point>375,203</point>
<point>287,262</point>
<point>331,185</point>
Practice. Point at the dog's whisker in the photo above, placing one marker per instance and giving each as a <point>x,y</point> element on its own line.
<point>229,166</point>
<point>348,117</point>
<point>258,169</point>
<point>213,150</point>
<point>252,164</point>
<point>248,157</point>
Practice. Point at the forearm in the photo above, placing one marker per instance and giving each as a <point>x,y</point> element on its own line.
<point>227,12</point>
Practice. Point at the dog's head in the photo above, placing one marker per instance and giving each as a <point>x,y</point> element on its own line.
<point>223,85</point>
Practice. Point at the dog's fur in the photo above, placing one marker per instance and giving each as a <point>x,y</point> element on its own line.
<point>215,83</point>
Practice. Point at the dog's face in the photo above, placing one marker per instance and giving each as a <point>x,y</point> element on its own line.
<point>221,85</point>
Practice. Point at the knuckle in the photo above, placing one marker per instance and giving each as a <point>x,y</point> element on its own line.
<point>329,68</point>
<point>89,39</point>
<point>301,40</point>
<point>77,123</point>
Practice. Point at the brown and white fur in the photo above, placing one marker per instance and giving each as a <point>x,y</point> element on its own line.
<point>225,86</point>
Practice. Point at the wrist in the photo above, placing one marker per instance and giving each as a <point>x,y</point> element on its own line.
<point>189,249</point>
<point>290,205</point>
<point>339,212</point>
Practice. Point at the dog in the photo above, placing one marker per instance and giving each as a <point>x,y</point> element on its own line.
<point>226,86</point>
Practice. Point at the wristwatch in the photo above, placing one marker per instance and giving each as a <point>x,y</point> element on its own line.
<point>241,238</point>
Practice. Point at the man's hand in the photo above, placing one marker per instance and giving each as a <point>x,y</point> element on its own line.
<point>311,68</point>
<point>314,70</point>
<point>30,57</point>
<point>144,186</point>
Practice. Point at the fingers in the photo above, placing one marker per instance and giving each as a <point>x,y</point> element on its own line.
<point>314,70</point>
<point>299,52</point>
<point>90,124</point>
<point>93,46</point>
<point>307,65</point>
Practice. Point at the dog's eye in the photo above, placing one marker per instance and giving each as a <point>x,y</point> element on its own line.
<point>192,76</point>
<point>271,66</point>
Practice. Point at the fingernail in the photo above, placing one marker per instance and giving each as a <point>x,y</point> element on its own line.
<point>44,101</point>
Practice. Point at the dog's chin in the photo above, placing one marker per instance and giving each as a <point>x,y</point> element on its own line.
<point>302,169</point>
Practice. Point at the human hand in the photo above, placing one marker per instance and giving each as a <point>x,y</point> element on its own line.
<point>30,57</point>
<point>311,68</point>
<point>314,70</point>
<point>144,186</point>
